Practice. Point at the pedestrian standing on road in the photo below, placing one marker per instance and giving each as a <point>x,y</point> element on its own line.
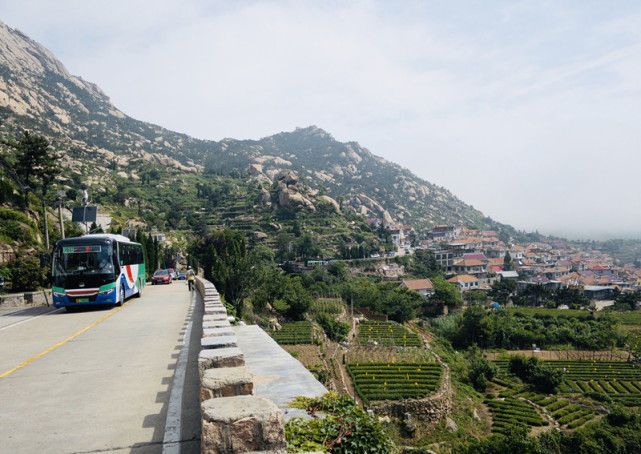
<point>191,276</point>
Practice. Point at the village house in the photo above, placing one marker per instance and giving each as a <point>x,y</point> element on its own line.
<point>465,282</point>
<point>443,233</point>
<point>422,286</point>
<point>444,258</point>
<point>470,266</point>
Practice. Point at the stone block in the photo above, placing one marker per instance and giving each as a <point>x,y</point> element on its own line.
<point>226,382</point>
<point>241,424</point>
<point>212,310</point>
<point>214,332</point>
<point>218,342</point>
<point>219,357</point>
<point>215,321</point>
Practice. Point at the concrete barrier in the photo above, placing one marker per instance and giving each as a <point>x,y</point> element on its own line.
<point>233,419</point>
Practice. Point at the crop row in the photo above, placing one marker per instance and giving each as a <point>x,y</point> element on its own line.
<point>626,318</point>
<point>387,334</point>
<point>332,307</point>
<point>395,381</point>
<point>590,370</point>
<point>510,413</point>
<point>295,333</point>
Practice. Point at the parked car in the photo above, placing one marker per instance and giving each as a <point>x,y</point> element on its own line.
<point>161,277</point>
<point>182,276</point>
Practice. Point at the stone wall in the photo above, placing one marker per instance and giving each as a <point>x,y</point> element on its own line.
<point>233,419</point>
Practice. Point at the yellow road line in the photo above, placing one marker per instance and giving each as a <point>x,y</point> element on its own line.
<point>63,342</point>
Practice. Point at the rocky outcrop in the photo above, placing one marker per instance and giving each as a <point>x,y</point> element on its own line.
<point>288,192</point>
<point>367,206</point>
<point>331,201</point>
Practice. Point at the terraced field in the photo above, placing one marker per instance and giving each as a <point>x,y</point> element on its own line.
<point>295,333</point>
<point>565,413</point>
<point>387,334</point>
<point>509,413</point>
<point>395,381</point>
<point>621,381</point>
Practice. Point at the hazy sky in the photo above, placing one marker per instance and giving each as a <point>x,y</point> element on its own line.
<point>528,110</point>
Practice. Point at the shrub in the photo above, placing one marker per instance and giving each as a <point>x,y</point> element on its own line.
<point>480,372</point>
<point>346,428</point>
<point>544,378</point>
<point>335,330</point>
<point>26,274</point>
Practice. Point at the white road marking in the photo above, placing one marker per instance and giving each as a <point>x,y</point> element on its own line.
<point>173,424</point>
<point>29,319</point>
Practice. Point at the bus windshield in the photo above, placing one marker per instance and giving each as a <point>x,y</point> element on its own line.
<point>83,260</point>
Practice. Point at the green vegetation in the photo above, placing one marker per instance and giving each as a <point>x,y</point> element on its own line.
<point>395,381</point>
<point>511,413</point>
<point>543,377</point>
<point>518,330</point>
<point>387,334</point>
<point>295,333</point>
<point>345,428</point>
<point>335,330</point>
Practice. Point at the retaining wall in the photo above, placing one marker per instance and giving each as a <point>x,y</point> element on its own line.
<point>233,420</point>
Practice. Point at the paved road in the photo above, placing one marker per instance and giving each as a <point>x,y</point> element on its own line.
<point>101,380</point>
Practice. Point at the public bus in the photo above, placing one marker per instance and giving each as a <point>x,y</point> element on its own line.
<point>96,269</point>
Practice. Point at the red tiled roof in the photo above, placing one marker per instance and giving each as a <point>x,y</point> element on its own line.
<point>462,278</point>
<point>419,284</point>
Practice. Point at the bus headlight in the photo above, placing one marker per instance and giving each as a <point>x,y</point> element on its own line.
<point>59,295</point>
<point>107,292</point>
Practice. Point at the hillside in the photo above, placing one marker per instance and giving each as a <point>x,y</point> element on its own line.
<point>104,147</point>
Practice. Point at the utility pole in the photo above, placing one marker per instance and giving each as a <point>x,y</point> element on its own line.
<point>44,213</point>
<point>61,195</point>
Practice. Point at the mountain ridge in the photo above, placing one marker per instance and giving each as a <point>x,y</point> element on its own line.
<point>38,93</point>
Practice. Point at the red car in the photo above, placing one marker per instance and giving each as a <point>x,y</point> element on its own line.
<point>161,277</point>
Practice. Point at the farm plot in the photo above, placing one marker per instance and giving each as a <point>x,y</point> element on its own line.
<point>626,318</point>
<point>510,413</point>
<point>360,354</point>
<point>388,334</point>
<point>395,381</point>
<point>295,333</point>
<point>326,306</point>
<point>566,414</point>
<point>619,380</point>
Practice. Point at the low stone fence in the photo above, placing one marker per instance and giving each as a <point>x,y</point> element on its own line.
<point>39,298</point>
<point>233,419</point>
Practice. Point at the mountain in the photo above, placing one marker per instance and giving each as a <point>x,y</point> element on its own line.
<point>39,94</point>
